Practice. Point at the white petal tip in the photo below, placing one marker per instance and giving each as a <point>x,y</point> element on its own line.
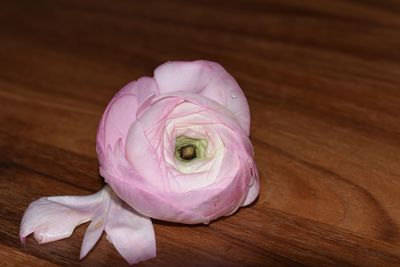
<point>40,237</point>
<point>82,254</point>
<point>144,256</point>
<point>81,257</point>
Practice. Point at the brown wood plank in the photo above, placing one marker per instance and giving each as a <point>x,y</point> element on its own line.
<point>323,84</point>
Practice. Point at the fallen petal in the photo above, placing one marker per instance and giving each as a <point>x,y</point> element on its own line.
<point>131,233</point>
<point>54,218</point>
<point>98,223</point>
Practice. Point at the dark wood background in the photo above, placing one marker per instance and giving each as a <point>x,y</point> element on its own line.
<point>323,83</point>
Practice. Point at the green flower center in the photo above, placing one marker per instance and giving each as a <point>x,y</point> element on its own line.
<point>188,149</point>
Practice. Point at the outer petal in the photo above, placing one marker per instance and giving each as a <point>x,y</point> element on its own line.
<point>221,199</point>
<point>192,207</point>
<point>122,109</point>
<point>208,79</point>
<point>54,218</point>
<point>254,187</point>
<point>98,223</point>
<point>139,193</point>
<point>131,233</point>
<point>220,112</point>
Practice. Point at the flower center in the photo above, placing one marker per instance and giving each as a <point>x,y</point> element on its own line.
<point>187,152</point>
<point>187,149</point>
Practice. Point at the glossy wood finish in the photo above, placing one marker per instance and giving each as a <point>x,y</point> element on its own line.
<point>323,82</point>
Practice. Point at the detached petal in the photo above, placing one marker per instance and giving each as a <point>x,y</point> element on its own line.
<point>54,218</point>
<point>131,233</point>
<point>98,223</point>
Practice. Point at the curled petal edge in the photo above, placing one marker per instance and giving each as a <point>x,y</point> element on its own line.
<point>55,218</point>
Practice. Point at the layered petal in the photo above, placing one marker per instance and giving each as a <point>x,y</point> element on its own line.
<point>254,186</point>
<point>135,190</point>
<point>97,224</point>
<point>197,206</point>
<point>131,233</point>
<point>145,127</point>
<point>122,110</point>
<point>208,79</point>
<point>146,139</point>
<point>54,218</point>
<point>184,197</point>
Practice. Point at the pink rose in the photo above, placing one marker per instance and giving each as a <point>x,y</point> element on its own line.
<point>174,147</point>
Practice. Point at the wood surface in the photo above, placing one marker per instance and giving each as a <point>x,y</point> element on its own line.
<point>323,82</point>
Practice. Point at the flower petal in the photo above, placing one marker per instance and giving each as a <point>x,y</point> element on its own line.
<point>121,111</point>
<point>131,233</point>
<point>221,113</point>
<point>143,157</point>
<point>254,187</point>
<point>221,198</point>
<point>98,223</point>
<point>148,191</point>
<point>252,193</point>
<point>208,79</point>
<point>139,193</point>
<point>199,206</point>
<point>54,218</point>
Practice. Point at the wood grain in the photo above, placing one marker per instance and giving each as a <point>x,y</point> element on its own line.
<point>323,83</point>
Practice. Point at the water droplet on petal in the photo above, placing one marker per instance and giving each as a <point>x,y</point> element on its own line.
<point>233,95</point>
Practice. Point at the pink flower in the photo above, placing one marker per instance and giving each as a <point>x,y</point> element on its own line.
<point>174,147</point>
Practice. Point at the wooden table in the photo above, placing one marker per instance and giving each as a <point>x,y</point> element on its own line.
<point>323,83</point>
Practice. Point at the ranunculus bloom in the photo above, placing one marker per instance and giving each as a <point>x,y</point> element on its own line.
<point>174,147</point>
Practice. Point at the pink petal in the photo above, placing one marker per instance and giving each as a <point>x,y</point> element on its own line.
<point>121,111</point>
<point>192,207</point>
<point>97,225</point>
<point>208,79</point>
<point>219,112</point>
<point>120,115</point>
<point>141,155</point>
<point>153,204</point>
<point>139,193</point>
<point>254,187</point>
<point>252,193</point>
<point>54,218</point>
<point>223,197</point>
<point>136,181</point>
<point>131,233</point>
